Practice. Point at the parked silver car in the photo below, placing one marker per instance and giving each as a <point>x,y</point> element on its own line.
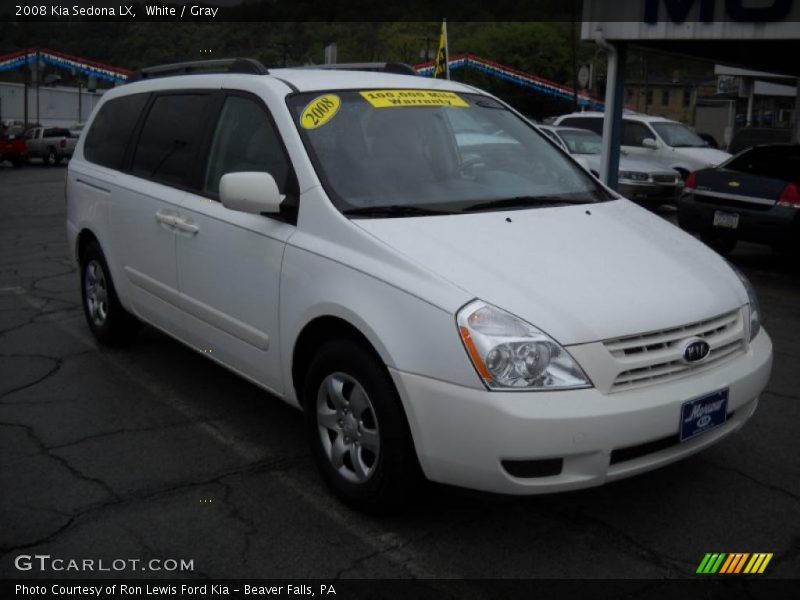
<point>640,179</point>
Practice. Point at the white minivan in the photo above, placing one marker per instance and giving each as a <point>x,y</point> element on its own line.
<point>445,293</point>
<point>644,136</point>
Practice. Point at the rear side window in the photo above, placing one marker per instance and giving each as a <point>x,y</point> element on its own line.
<point>777,162</point>
<point>111,129</point>
<point>57,132</point>
<point>170,136</point>
<point>591,123</point>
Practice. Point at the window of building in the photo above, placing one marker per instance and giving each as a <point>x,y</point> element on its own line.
<point>665,98</point>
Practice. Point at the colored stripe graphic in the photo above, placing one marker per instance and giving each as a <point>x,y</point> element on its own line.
<point>711,562</point>
<point>758,563</point>
<point>734,563</point>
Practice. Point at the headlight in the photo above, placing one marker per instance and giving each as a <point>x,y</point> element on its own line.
<point>509,353</point>
<point>633,175</point>
<point>752,300</point>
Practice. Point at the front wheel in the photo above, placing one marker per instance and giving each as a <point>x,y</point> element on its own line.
<point>357,429</point>
<point>110,323</point>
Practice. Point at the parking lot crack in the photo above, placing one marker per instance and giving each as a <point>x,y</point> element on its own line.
<point>758,482</point>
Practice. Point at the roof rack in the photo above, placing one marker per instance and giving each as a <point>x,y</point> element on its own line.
<point>385,67</point>
<point>222,65</point>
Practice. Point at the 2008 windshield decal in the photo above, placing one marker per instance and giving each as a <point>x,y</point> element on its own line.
<point>319,111</point>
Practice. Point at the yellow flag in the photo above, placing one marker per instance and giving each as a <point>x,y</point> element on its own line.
<point>442,68</point>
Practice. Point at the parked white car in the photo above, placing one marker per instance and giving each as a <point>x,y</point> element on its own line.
<point>640,179</point>
<point>484,314</point>
<point>666,141</point>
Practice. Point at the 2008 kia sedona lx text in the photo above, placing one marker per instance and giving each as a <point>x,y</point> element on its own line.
<point>445,293</point>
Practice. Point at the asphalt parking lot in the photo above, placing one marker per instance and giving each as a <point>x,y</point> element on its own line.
<point>152,451</point>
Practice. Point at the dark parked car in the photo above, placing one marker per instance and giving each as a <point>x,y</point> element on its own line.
<point>754,196</point>
<point>757,136</point>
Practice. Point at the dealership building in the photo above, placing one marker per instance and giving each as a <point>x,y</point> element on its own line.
<point>757,38</point>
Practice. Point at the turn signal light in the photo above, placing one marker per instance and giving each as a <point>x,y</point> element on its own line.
<point>690,183</point>
<point>790,196</point>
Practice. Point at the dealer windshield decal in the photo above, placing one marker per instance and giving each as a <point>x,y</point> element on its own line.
<point>319,111</point>
<point>390,98</point>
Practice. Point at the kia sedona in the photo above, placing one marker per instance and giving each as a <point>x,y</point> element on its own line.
<point>443,292</point>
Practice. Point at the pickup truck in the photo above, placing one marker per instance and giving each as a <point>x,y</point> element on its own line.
<point>12,148</point>
<point>52,144</point>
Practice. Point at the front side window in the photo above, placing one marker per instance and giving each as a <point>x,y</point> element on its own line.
<point>678,135</point>
<point>634,134</point>
<point>420,150</point>
<point>168,144</point>
<point>245,140</point>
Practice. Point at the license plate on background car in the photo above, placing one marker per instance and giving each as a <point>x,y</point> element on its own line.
<point>703,414</point>
<point>726,220</point>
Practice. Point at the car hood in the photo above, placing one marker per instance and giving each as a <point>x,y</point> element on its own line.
<point>580,273</point>
<point>703,157</point>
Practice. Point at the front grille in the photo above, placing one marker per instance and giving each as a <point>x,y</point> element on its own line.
<point>657,356</point>
<point>664,178</point>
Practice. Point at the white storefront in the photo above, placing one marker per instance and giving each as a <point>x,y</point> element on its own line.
<point>58,105</point>
<point>761,35</point>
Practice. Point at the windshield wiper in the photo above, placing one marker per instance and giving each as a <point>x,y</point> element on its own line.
<point>394,210</point>
<point>522,202</point>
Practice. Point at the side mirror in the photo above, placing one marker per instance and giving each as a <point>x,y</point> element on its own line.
<point>251,192</point>
<point>650,143</point>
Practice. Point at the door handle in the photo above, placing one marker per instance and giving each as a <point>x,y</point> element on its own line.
<point>185,225</point>
<point>166,219</point>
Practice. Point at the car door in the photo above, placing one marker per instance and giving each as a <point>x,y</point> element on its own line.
<point>229,262</point>
<point>142,216</point>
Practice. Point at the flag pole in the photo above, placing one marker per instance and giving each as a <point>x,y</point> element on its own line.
<point>446,50</point>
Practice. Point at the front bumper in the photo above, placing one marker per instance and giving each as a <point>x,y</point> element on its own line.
<point>463,435</point>
<point>650,192</point>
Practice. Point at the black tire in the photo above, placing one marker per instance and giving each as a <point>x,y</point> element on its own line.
<point>17,162</point>
<point>113,325</point>
<point>394,475</point>
<point>51,159</point>
<point>721,244</point>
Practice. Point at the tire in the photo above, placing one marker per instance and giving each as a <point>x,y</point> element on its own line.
<point>51,158</point>
<point>17,162</point>
<point>723,245</point>
<point>110,323</point>
<point>353,414</point>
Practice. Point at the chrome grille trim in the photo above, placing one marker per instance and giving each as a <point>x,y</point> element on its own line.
<point>656,357</point>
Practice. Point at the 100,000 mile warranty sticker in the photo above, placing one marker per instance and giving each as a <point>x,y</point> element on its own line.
<point>390,98</point>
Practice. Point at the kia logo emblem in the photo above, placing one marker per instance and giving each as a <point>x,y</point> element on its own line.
<point>695,350</point>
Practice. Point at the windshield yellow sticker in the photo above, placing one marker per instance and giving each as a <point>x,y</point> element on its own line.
<point>389,98</point>
<point>319,111</point>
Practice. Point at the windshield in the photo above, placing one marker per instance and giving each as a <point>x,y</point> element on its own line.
<point>581,142</point>
<point>678,135</point>
<point>417,152</point>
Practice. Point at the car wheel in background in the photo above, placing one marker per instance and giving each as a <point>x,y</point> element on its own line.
<point>357,429</point>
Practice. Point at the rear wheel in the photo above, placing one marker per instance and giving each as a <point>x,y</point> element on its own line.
<point>110,323</point>
<point>51,159</point>
<point>357,429</point>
